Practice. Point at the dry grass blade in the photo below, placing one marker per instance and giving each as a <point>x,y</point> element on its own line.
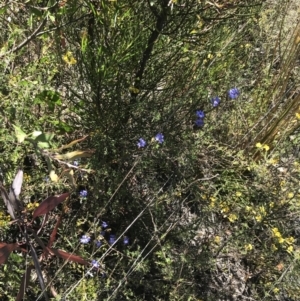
<point>71,144</point>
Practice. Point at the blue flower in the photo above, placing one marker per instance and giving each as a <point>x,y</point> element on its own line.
<point>95,264</point>
<point>83,193</point>
<point>160,138</point>
<point>112,239</point>
<point>234,93</point>
<point>85,239</point>
<point>142,143</point>
<point>126,240</point>
<point>200,114</point>
<point>98,243</point>
<point>215,101</point>
<point>104,225</point>
<point>199,122</point>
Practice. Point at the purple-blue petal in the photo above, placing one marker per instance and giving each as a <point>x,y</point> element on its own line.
<point>160,138</point>
<point>142,143</point>
<point>234,93</point>
<point>112,239</point>
<point>215,101</point>
<point>200,114</point>
<point>85,239</point>
<point>104,225</point>
<point>126,240</point>
<point>199,122</point>
<point>95,264</point>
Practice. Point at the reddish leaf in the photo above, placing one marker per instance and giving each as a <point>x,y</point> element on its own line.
<point>54,231</point>
<point>68,256</point>
<point>5,250</point>
<point>49,203</point>
<point>24,283</point>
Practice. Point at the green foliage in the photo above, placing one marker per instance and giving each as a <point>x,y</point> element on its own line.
<point>212,212</point>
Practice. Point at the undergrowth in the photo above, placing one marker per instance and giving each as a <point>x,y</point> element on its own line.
<point>156,144</point>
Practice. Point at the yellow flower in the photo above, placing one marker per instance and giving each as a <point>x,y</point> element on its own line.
<point>238,194</point>
<point>271,205</point>
<point>274,248</point>
<point>298,115</point>
<point>247,45</point>
<point>290,195</point>
<point>276,290</point>
<point>210,56</point>
<point>69,59</point>
<point>290,249</point>
<point>258,217</point>
<point>26,177</point>
<point>232,217</point>
<point>262,210</point>
<point>266,147</point>
<point>225,209</point>
<point>217,239</point>
<point>248,208</point>
<point>281,240</point>
<point>276,232</point>
<point>248,247</point>
<point>290,240</point>
<point>134,90</point>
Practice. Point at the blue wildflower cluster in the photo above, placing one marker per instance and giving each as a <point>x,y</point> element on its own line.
<point>85,239</point>
<point>112,238</point>
<point>158,137</point>
<point>215,101</point>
